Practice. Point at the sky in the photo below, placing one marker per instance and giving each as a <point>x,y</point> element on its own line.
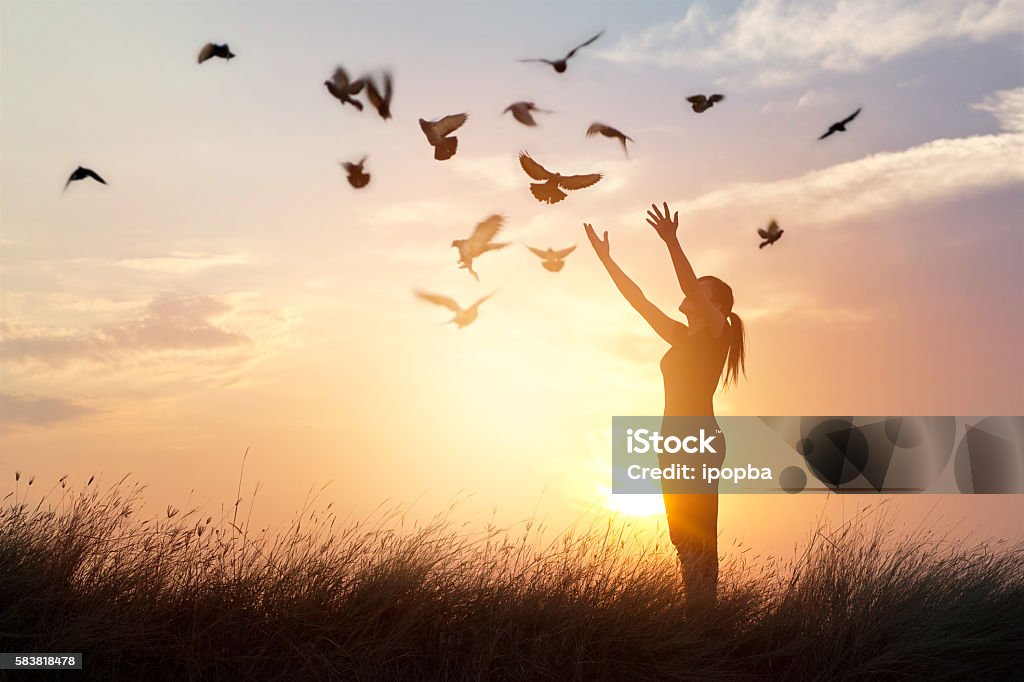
<point>228,290</point>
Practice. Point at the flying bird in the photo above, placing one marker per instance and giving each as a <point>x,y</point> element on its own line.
<point>462,317</point>
<point>553,260</point>
<point>840,127</point>
<point>210,50</point>
<point>701,103</point>
<point>480,242</point>
<point>439,134</point>
<point>357,177</point>
<point>342,88</point>
<point>560,64</point>
<point>81,173</point>
<point>550,187</point>
<point>771,235</point>
<point>521,111</point>
<point>608,131</point>
<point>380,100</point>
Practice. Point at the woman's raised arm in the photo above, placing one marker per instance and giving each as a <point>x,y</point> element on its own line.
<point>666,227</point>
<point>665,326</point>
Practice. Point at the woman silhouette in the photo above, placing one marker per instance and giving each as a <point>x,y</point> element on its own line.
<point>692,368</point>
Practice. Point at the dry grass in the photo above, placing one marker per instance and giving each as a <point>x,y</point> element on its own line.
<point>185,596</point>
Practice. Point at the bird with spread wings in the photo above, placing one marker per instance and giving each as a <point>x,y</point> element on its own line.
<point>81,173</point>
<point>553,261</point>
<point>463,316</point>
<point>702,103</point>
<point>342,88</point>
<point>550,185</point>
<point>439,134</point>
<point>523,112</point>
<point>771,235</point>
<point>608,131</point>
<point>380,98</point>
<point>840,126</point>
<point>560,65</point>
<point>480,242</point>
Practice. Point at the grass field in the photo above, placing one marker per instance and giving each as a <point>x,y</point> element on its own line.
<point>186,596</point>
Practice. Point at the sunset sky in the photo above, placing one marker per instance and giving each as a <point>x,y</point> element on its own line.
<point>229,290</point>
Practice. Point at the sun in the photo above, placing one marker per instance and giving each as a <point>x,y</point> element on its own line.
<point>638,506</point>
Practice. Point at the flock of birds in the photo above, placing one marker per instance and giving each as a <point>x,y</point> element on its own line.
<point>548,186</point>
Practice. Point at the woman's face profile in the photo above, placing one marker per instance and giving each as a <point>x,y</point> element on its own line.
<point>688,308</point>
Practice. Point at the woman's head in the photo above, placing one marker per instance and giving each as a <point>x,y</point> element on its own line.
<point>717,291</point>
<point>720,295</point>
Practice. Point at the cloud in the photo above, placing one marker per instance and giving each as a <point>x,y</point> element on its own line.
<point>798,305</point>
<point>782,42</point>
<point>501,172</point>
<point>940,169</point>
<point>169,323</point>
<point>1008,108</point>
<point>185,263</point>
<point>17,410</point>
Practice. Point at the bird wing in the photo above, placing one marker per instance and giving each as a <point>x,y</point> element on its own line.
<point>578,181</point>
<point>830,131</point>
<point>356,86</point>
<point>523,115</point>
<point>851,116</point>
<point>340,78</point>
<point>493,246</point>
<point>716,98</point>
<point>449,124</point>
<point>484,232</point>
<point>428,129</point>
<point>94,175</point>
<point>583,44</point>
<point>697,99</point>
<point>477,304</point>
<point>762,233</point>
<point>447,302</point>
<point>378,100</point>
<point>352,167</point>
<point>532,168</point>
<point>773,227</point>
<point>206,52</point>
<point>598,129</point>
<point>539,252</point>
<point>562,253</point>
<point>546,61</point>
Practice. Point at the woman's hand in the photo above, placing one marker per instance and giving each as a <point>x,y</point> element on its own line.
<point>665,227</point>
<point>602,247</point>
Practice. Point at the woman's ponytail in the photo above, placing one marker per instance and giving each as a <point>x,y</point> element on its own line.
<point>735,359</point>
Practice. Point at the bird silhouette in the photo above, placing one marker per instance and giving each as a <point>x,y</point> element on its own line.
<point>771,235</point>
<point>380,99</point>
<point>463,317</point>
<point>480,242</point>
<point>439,134</point>
<point>81,173</point>
<point>840,127</point>
<point>608,131</point>
<point>560,64</point>
<point>342,88</point>
<point>521,111</point>
<point>210,50</point>
<point>357,177</point>
<point>701,103</point>
<point>553,261</point>
<point>550,187</point>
